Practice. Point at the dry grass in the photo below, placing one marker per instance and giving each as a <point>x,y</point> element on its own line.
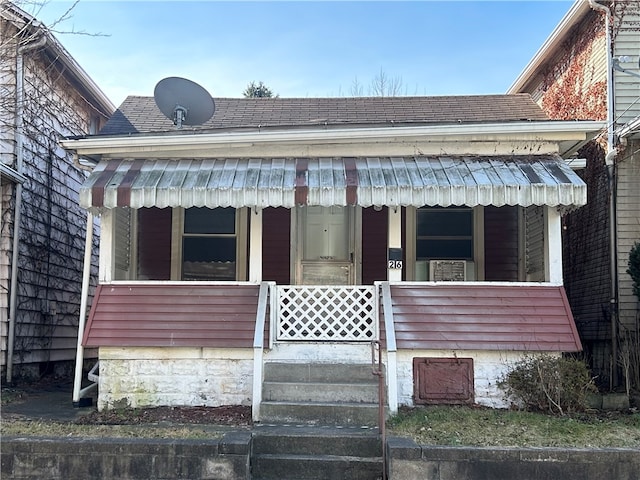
<point>484,427</point>
<point>433,425</point>
<point>49,428</point>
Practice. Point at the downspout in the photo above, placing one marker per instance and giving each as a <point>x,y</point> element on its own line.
<point>610,111</point>
<point>613,267</point>
<point>19,129</point>
<point>610,163</point>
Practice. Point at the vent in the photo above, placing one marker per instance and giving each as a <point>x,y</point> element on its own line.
<point>447,270</point>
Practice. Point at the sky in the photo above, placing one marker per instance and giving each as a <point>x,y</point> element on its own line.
<point>304,48</point>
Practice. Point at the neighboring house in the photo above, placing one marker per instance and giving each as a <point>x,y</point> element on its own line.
<point>576,74</point>
<point>44,96</point>
<point>301,230</point>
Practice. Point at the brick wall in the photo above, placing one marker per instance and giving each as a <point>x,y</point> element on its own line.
<point>586,260</point>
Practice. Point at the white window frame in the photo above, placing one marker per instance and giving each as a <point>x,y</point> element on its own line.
<point>478,242</point>
<point>178,235</point>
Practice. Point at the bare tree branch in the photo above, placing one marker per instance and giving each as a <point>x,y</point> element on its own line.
<point>382,85</point>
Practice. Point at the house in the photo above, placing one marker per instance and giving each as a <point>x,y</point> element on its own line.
<point>287,231</point>
<point>44,96</point>
<point>581,72</point>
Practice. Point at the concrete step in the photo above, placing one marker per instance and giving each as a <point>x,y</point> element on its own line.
<point>353,442</point>
<point>315,467</point>
<point>319,413</point>
<point>318,373</point>
<point>320,392</point>
<point>310,453</point>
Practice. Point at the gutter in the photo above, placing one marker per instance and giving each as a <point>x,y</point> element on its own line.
<point>11,174</point>
<point>554,130</point>
<point>19,148</point>
<point>106,106</point>
<point>629,128</point>
<point>577,11</point>
<point>28,23</point>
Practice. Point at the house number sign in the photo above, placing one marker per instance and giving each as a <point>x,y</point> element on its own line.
<point>395,259</point>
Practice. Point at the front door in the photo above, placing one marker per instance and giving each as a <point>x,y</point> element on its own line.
<point>326,240</point>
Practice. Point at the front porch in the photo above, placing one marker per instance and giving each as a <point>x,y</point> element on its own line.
<point>207,343</point>
<point>213,271</point>
<point>333,221</point>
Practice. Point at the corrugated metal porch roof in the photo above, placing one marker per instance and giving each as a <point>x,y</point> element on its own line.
<point>377,181</point>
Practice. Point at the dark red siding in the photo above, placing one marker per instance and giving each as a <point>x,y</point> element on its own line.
<point>501,244</point>
<point>374,245</point>
<point>483,317</point>
<point>276,241</point>
<point>154,243</point>
<point>172,315</point>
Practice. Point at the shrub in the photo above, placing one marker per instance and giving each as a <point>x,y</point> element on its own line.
<point>550,384</point>
<point>634,268</point>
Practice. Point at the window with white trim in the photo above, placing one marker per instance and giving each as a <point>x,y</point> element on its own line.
<point>444,233</point>
<point>210,244</point>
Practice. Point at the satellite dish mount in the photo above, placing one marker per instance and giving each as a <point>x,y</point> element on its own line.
<point>179,115</point>
<point>183,101</point>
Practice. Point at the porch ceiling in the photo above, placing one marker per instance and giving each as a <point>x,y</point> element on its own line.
<point>378,181</point>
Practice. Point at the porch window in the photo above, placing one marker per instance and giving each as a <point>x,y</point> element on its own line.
<point>209,244</point>
<point>446,243</point>
<point>444,233</point>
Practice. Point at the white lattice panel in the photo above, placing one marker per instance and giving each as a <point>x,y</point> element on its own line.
<point>325,313</point>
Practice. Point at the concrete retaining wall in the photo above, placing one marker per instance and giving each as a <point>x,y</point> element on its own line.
<point>407,460</point>
<point>126,459</point>
<point>229,459</point>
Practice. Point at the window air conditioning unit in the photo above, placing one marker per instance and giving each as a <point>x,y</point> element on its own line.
<point>447,270</point>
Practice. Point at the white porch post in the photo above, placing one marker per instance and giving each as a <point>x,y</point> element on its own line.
<point>107,243</point>
<point>86,273</point>
<point>553,245</point>
<point>395,240</point>
<point>255,246</point>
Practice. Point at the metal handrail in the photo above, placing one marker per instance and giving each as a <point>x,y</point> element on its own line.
<point>378,370</point>
<point>258,346</point>
<point>261,314</point>
<point>390,341</point>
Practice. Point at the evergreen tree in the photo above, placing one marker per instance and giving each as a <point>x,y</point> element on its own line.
<point>259,90</point>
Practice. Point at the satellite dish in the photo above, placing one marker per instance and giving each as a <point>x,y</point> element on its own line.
<point>183,101</point>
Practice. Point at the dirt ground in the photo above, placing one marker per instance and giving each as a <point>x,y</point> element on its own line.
<point>225,415</point>
<point>16,400</point>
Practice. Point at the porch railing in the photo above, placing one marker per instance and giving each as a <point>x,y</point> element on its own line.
<point>326,313</point>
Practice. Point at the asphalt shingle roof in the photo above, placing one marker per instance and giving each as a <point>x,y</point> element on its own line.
<point>141,115</point>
